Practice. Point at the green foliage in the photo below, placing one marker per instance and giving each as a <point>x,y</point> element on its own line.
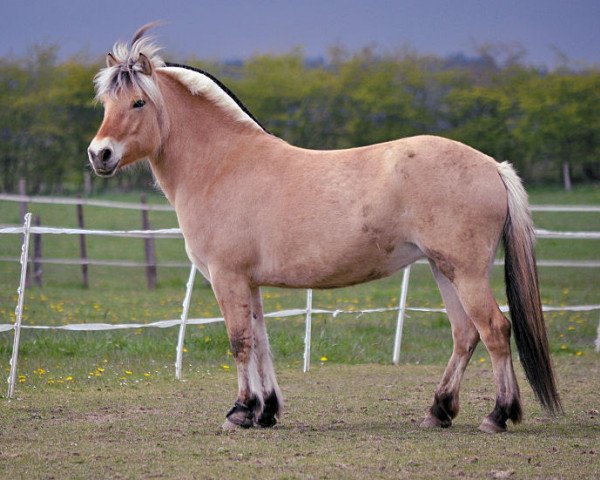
<point>47,116</point>
<point>537,119</point>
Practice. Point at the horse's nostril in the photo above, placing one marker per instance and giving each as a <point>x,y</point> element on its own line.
<point>105,155</point>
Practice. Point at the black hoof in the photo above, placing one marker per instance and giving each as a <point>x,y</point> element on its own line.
<point>241,415</point>
<point>266,422</point>
<point>271,409</point>
<point>443,410</point>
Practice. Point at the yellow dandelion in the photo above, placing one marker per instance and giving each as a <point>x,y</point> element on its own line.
<point>324,358</point>
<point>22,378</point>
<point>481,359</point>
<point>225,367</point>
<point>40,371</point>
<point>570,328</point>
<point>147,374</point>
<point>579,353</point>
<point>128,372</point>
<point>100,369</point>
<point>184,350</point>
<point>563,347</point>
<point>69,378</point>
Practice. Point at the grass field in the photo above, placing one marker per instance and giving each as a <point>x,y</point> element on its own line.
<point>99,391</point>
<point>341,421</point>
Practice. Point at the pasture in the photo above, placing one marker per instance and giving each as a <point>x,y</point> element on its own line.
<point>107,402</point>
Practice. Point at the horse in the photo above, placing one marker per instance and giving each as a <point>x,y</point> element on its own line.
<point>256,211</point>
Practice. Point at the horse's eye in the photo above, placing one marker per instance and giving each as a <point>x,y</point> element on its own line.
<point>139,104</point>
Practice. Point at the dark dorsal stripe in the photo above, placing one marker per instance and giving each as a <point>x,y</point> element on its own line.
<point>222,87</point>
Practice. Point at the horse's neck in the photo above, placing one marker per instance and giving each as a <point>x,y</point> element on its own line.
<point>201,136</point>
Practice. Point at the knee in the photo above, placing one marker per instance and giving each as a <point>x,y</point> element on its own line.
<point>240,343</point>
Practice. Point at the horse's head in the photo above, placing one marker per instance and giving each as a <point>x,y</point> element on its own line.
<point>134,119</point>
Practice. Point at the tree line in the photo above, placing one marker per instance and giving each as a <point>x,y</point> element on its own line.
<point>545,121</point>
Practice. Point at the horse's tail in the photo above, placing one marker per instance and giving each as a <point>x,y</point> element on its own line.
<point>522,290</point>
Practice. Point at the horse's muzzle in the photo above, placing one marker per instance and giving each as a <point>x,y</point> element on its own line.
<point>103,161</point>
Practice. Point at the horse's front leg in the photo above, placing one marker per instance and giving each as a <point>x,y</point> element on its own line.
<point>234,295</point>
<point>273,403</point>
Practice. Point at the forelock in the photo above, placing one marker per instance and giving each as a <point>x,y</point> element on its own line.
<point>127,74</point>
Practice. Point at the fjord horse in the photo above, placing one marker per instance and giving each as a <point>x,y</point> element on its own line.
<point>256,211</point>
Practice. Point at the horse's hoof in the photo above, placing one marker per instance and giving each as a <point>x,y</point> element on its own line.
<point>433,422</point>
<point>266,422</point>
<point>240,416</point>
<point>229,426</point>
<point>489,426</point>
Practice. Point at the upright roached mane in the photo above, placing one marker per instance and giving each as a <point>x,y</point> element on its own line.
<point>256,211</point>
<point>127,74</point>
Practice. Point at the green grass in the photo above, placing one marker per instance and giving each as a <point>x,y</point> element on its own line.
<point>358,421</point>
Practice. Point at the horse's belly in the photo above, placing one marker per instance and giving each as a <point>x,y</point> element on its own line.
<point>333,271</point>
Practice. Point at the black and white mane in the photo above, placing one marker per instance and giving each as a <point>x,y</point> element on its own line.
<point>126,74</point>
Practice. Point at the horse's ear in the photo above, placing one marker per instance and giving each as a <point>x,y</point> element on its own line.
<point>110,60</point>
<point>145,64</point>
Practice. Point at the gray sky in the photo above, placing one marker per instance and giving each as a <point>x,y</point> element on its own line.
<point>214,29</point>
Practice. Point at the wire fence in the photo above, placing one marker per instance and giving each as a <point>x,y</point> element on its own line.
<point>26,230</point>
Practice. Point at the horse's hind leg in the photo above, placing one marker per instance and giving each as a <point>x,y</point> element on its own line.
<point>494,329</point>
<point>265,417</point>
<point>446,398</point>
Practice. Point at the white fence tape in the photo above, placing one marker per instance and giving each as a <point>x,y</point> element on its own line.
<point>175,264</point>
<point>161,233</point>
<point>167,208</point>
<point>84,201</point>
<point>176,232</point>
<point>293,312</point>
<point>565,208</point>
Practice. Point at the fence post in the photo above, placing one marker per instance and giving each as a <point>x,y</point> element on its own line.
<point>87,184</point>
<point>184,317</point>
<point>37,254</point>
<point>598,338</point>
<point>149,248</point>
<point>22,213</point>
<point>22,203</point>
<point>401,311</point>
<point>307,334</point>
<point>82,245</point>
<point>19,309</point>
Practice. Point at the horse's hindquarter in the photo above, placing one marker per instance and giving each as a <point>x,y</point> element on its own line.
<point>458,203</point>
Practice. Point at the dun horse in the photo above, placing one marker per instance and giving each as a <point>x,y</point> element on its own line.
<point>256,211</point>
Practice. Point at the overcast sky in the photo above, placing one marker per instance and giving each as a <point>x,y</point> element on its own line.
<point>229,30</point>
